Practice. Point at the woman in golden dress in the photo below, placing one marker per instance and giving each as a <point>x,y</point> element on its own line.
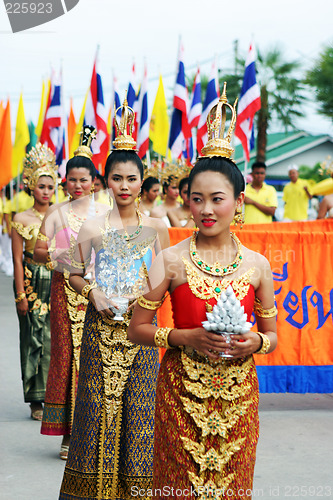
<point>206,419</point>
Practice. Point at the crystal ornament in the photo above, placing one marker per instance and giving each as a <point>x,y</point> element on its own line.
<point>227,317</point>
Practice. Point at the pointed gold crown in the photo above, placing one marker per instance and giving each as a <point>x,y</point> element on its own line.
<point>218,144</point>
<point>39,161</point>
<point>124,127</point>
<point>87,135</point>
<point>166,171</point>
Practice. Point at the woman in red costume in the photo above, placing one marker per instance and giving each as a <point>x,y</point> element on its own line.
<point>206,419</point>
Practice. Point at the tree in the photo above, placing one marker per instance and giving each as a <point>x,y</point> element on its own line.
<point>321,78</point>
<point>281,95</point>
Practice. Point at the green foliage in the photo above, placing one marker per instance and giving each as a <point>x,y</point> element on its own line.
<point>321,78</point>
<point>284,87</point>
<point>314,173</point>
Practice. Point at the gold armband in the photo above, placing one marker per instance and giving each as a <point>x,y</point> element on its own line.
<point>161,337</point>
<point>86,289</point>
<point>42,237</point>
<point>20,296</point>
<point>265,344</point>
<point>261,312</point>
<point>152,305</point>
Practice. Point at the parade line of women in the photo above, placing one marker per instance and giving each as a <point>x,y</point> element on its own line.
<point>131,428</point>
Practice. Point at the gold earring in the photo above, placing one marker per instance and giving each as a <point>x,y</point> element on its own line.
<point>138,199</point>
<point>239,217</point>
<point>92,189</point>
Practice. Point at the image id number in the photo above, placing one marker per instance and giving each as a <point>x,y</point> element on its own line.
<point>28,8</point>
<point>308,491</point>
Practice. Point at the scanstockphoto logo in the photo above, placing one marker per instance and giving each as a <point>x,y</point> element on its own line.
<point>24,15</point>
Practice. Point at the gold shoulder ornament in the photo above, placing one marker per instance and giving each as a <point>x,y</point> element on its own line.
<point>261,312</point>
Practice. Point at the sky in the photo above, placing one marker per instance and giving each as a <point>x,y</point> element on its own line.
<point>149,30</point>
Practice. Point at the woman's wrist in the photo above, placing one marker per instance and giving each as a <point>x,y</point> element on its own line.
<point>264,345</point>
<point>20,296</point>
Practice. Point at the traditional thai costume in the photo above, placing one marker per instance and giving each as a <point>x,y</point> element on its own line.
<point>111,447</point>
<point>35,339</point>
<point>68,310</point>
<point>35,325</point>
<point>206,420</point>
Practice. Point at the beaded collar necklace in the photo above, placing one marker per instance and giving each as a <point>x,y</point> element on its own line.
<point>128,237</point>
<point>216,269</point>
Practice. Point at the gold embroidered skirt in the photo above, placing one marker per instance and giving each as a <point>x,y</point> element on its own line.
<point>111,448</point>
<point>206,427</point>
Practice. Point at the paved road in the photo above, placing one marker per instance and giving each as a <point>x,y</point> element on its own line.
<point>294,456</point>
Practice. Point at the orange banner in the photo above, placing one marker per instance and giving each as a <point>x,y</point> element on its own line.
<point>301,258</point>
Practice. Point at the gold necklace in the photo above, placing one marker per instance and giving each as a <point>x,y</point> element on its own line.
<point>128,237</point>
<point>216,269</point>
<point>74,221</point>
<point>37,214</point>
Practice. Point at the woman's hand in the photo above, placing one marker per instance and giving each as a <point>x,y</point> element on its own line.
<point>101,303</point>
<point>22,307</point>
<point>209,343</point>
<point>243,345</point>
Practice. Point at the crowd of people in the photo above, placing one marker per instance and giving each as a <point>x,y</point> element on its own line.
<point>90,274</point>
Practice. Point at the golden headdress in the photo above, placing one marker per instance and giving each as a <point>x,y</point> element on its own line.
<point>87,135</point>
<point>39,161</point>
<point>124,127</point>
<point>166,171</point>
<point>217,144</point>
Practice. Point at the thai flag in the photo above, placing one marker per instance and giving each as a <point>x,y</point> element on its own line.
<point>196,105</point>
<point>142,118</point>
<point>132,99</point>
<point>210,100</point>
<point>179,129</point>
<point>54,127</point>
<point>249,104</point>
<point>96,115</point>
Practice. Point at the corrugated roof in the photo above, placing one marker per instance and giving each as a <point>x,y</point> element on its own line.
<point>282,145</point>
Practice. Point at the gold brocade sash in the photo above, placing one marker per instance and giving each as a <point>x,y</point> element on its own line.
<point>118,354</point>
<point>76,307</point>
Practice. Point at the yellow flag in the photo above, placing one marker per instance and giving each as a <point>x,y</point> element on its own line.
<point>5,148</point>
<point>22,139</point>
<point>159,122</point>
<point>79,125</point>
<point>42,109</point>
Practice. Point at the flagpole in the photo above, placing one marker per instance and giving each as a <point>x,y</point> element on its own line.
<point>176,73</point>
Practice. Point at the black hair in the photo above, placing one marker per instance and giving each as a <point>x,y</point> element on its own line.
<point>149,183</point>
<point>101,178</point>
<point>81,162</point>
<point>170,180</point>
<point>122,156</point>
<point>183,182</point>
<point>223,166</point>
<point>258,164</point>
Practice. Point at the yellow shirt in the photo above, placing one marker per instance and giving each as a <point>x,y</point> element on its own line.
<point>20,203</point>
<point>296,200</point>
<point>266,196</point>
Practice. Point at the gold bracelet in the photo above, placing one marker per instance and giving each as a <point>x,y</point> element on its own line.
<point>87,289</point>
<point>152,305</point>
<point>20,296</point>
<point>265,344</point>
<point>261,312</point>
<point>42,237</point>
<point>161,337</point>
<point>50,264</point>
